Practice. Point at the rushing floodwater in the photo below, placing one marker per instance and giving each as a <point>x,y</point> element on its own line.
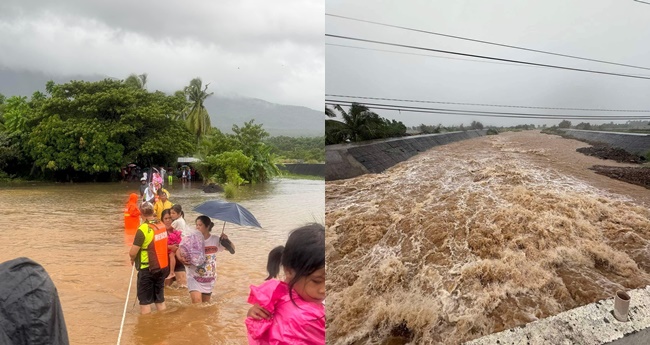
<point>76,231</point>
<point>478,236</point>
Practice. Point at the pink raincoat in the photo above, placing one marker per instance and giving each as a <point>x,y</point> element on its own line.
<point>302,325</point>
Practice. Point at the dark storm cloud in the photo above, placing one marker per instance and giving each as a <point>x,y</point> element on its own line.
<point>611,31</point>
<point>228,23</point>
<point>269,50</point>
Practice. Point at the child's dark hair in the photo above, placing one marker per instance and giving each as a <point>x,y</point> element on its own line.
<point>178,209</point>
<point>304,253</point>
<point>206,221</point>
<point>161,192</point>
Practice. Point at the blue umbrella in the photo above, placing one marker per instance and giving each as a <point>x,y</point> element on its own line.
<point>230,212</point>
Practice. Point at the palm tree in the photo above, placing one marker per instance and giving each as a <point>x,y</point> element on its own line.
<point>358,124</point>
<point>198,119</point>
<point>329,112</point>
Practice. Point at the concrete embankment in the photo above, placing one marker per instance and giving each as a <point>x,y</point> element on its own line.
<point>305,169</point>
<point>635,143</point>
<point>351,160</point>
<point>592,324</point>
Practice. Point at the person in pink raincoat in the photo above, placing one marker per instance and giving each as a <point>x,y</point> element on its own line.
<point>291,311</point>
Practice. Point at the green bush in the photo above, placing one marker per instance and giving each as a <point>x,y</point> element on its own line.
<point>492,131</point>
<point>229,191</point>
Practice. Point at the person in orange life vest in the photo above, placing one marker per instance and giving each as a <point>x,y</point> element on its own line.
<point>162,204</point>
<point>149,255</point>
<point>132,213</point>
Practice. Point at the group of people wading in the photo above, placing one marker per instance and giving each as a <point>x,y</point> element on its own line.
<point>288,311</point>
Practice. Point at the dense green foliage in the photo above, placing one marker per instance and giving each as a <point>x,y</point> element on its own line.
<point>88,130</point>
<point>306,149</point>
<point>83,131</point>
<point>359,124</point>
<point>237,158</point>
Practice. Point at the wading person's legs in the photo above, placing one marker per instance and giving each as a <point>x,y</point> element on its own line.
<point>159,288</point>
<point>196,296</point>
<point>145,290</point>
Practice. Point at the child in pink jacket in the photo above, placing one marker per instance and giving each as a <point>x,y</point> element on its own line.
<point>291,311</point>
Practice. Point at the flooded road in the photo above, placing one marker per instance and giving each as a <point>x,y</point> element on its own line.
<point>76,231</point>
<point>478,236</point>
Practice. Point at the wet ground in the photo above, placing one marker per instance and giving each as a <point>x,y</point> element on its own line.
<point>615,154</point>
<point>638,176</point>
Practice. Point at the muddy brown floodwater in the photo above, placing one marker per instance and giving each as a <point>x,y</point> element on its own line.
<point>76,231</point>
<point>476,237</point>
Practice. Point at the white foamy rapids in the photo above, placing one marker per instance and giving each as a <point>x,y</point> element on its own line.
<point>469,239</point>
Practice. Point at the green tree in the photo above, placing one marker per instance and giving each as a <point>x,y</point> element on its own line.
<point>137,81</point>
<point>16,114</point>
<point>217,142</point>
<point>198,119</point>
<point>87,129</point>
<point>476,125</point>
<point>359,123</point>
<point>564,124</point>
<point>311,149</point>
<point>227,167</point>
<point>250,139</point>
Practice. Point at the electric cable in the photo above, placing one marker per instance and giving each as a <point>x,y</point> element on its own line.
<point>485,57</point>
<point>487,114</point>
<point>488,42</point>
<point>486,105</point>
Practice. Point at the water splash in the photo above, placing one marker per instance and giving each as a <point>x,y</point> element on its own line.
<point>470,239</point>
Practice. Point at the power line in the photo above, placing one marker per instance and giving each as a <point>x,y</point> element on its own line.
<point>643,2</point>
<point>488,42</point>
<point>487,113</point>
<point>484,56</point>
<point>443,57</point>
<point>433,56</point>
<point>487,105</point>
<point>499,116</point>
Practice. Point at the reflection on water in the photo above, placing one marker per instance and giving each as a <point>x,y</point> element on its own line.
<point>76,232</point>
<point>472,238</point>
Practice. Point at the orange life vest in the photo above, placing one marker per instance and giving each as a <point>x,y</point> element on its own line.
<point>157,249</point>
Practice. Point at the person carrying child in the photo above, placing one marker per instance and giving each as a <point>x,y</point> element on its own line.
<point>173,240</point>
<point>291,311</point>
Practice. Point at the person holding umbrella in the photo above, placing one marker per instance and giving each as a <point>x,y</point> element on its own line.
<point>201,278</point>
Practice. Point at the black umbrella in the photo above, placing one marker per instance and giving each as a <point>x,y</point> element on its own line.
<point>230,212</point>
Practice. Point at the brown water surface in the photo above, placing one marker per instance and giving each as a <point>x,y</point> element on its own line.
<point>76,231</point>
<point>478,236</point>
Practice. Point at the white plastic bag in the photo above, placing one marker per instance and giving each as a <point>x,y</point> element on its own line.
<point>192,248</point>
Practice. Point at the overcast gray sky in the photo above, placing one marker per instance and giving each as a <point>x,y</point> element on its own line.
<point>271,50</point>
<point>610,30</point>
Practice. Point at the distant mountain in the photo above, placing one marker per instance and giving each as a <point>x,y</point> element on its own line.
<point>277,119</point>
<point>25,83</point>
